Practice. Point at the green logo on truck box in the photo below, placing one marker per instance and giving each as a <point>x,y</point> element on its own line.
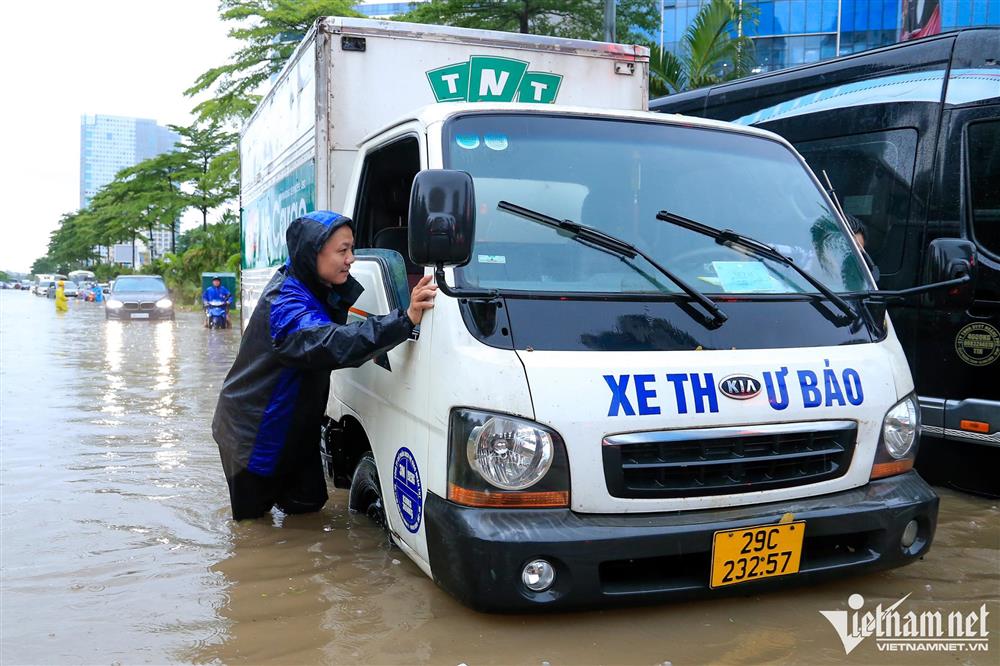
<point>491,79</point>
<point>266,218</point>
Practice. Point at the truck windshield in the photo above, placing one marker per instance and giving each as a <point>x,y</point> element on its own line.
<point>614,176</point>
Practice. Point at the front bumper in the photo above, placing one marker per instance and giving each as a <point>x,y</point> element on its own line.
<point>478,554</point>
<point>126,315</point>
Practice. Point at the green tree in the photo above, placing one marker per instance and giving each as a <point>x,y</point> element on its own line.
<point>713,49</point>
<point>71,244</point>
<point>154,199</point>
<point>43,265</point>
<point>269,31</point>
<point>215,248</point>
<point>108,272</point>
<point>580,19</point>
<point>209,163</point>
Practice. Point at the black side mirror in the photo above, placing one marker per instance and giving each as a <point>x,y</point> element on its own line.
<point>442,221</point>
<point>951,259</point>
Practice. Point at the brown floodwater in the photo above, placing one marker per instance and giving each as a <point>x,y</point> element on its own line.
<point>116,544</point>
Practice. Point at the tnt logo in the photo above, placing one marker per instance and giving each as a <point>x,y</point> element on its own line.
<point>491,79</point>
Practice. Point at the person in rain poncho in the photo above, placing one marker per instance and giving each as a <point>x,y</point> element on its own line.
<point>62,305</point>
<point>216,292</point>
<point>267,421</point>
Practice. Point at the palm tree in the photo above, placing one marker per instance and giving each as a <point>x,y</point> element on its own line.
<point>710,52</point>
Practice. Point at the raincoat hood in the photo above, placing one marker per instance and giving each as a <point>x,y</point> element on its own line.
<point>305,238</point>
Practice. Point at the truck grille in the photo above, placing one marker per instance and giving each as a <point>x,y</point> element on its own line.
<point>717,461</point>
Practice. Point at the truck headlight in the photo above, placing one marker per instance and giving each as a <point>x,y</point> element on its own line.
<point>499,460</point>
<point>114,303</point>
<point>897,445</point>
<point>510,453</point>
<point>164,303</point>
<point>899,427</point>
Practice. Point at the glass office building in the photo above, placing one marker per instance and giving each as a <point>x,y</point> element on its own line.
<point>384,9</point>
<point>795,32</point>
<point>108,144</point>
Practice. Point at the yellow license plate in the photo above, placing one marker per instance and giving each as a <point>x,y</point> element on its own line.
<point>752,553</point>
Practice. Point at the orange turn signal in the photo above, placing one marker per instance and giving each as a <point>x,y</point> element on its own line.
<point>974,426</point>
<point>882,470</point>
<point>535,500</point>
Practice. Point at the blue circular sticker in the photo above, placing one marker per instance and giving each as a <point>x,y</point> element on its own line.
<point>406,486</point>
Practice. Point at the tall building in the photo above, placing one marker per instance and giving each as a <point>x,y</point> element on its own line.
<point>162,242</point>
<point>795,32</point>
<point>109,144</point>
<point>378,9</point>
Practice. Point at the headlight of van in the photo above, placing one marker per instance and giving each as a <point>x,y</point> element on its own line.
<point>897,447</point>
<point>114,304</point>
<point>497,460</point>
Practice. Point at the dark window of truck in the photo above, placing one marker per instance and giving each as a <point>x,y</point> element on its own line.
<point>385,189</point>
<point>384,198</point>
<point>872,174</point>
<point>983,155</point>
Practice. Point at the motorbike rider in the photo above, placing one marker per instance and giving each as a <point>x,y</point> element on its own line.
<point>267,422</point>
<point>216,293</point>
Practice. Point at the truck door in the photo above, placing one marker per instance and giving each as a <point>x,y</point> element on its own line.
<point>962,348</point>
<point>390,393</point>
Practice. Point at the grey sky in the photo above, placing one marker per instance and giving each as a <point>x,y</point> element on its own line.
<point>116,57</point>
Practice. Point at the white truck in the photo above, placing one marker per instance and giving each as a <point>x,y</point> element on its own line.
<point>655,368</point>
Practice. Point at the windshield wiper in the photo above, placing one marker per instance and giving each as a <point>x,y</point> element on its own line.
<point>620,248</point>
<point>731,238</point>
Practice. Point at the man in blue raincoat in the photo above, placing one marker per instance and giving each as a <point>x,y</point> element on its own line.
<point>267,422</point>
<point>216,292</point>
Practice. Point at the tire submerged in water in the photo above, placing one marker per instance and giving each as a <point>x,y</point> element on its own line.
<point>366,494</point>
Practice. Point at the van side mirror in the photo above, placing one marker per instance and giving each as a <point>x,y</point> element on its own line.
<point>951,259</point>
<point>442,219</point>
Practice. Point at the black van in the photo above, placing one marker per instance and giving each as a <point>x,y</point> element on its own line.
<point>909,136</point>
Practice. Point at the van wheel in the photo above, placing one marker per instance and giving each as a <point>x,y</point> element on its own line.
<point>366,495</point>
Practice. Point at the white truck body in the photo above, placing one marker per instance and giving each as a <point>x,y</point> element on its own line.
<point>298,149</point>
<point>342,128</point>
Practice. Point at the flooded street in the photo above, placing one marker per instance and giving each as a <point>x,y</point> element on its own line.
<point>117,545</point>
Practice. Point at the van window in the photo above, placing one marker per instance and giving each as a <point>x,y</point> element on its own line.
<point>872,174</point>
<point>983,156</point>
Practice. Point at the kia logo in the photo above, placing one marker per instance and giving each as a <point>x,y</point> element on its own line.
<point>739,387</point>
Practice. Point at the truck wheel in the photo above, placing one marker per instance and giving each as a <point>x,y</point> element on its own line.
<point>366,495</point>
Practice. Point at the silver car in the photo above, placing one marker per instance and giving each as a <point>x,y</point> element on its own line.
<point>138,297</point>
